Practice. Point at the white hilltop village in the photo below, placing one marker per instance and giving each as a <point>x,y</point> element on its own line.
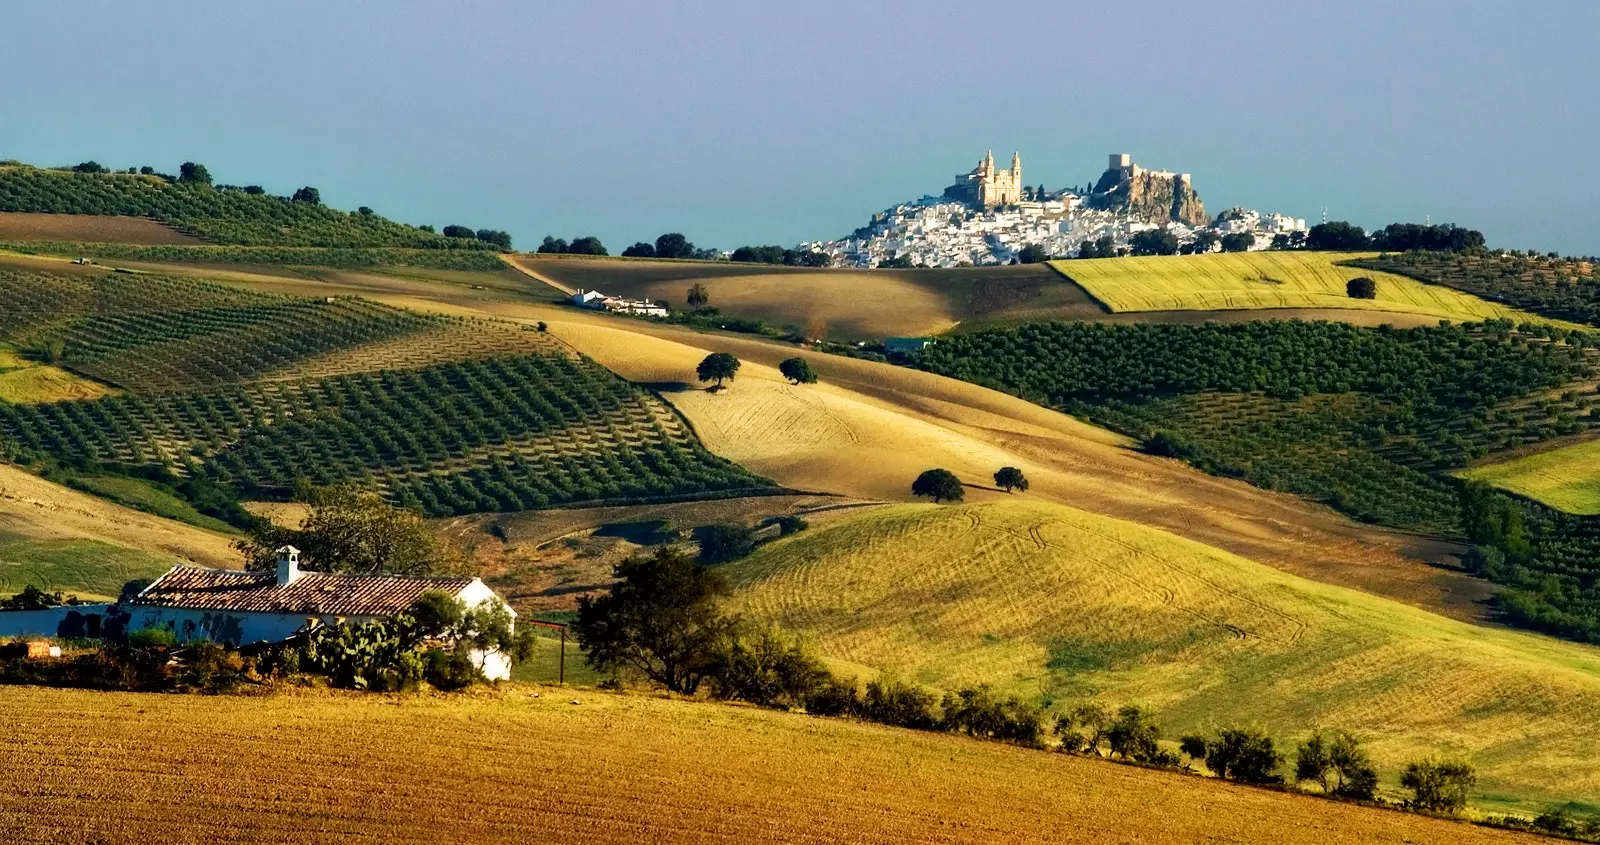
<point>990,216</point>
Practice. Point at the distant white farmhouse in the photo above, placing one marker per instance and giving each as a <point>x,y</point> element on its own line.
<point>598,301</point>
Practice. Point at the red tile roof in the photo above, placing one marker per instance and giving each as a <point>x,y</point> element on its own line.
<point>318,593</point>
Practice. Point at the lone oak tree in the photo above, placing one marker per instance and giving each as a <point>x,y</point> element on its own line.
<point>798,371</point>
<point>716,367</point>
<point>941,484</point>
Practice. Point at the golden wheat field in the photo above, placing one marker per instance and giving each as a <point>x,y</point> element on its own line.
<point>1567,478</point>
<point>1266,280</point>
<point>531,765</point>
<point>1046,600</point>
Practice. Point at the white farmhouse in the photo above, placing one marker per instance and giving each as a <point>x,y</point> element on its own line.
<point>588,298</point>
<point>242,608</point>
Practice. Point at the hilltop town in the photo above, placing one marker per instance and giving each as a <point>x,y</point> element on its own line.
<point>990,216</point>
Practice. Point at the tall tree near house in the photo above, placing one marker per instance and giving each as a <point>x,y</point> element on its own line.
<point>941,484</point>
<point>699,297</point>
<point>659,619</point>
<point>1009,478</point>
<point>353,530</point>
<point>717,366</point>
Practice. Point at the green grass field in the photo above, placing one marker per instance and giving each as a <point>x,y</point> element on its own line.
<point>1265,280</point>
<point>139,494</point>
<point>1062,604</point>
<point>1567,478</point>
<point>88,568</point>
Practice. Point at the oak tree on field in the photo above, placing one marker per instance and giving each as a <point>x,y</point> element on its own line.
<point>659,619</point>
<point>1361,287</point>
<point>1009,478</point>
<point>674,245</point>
<point>941,484</point>
<point>798,371</point>
<point>717,366</point>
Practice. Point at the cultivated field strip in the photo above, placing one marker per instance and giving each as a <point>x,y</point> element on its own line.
<point>563,767</point>
<point>1566,478</point>
<point>1048,601</point>
<point>1264,280</point>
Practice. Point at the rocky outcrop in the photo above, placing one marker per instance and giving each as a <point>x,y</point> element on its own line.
<point>1149,195</point>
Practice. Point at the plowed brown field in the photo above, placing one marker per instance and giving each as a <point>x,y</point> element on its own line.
<point>549,765</point>
<point>88,228</point>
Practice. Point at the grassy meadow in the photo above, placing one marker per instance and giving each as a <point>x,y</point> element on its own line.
<point>541,764</point>
<point>1062,605</point>
<point>87,568</point>
<point>1265,280</point>
<point>1567,478</point>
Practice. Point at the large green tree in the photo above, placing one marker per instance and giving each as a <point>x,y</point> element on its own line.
<point>718,366</point>
<point>353,530</point>
<point>674,245</point>
<point>659,619</point>
<point>798,370</point>
<point>941,484</point>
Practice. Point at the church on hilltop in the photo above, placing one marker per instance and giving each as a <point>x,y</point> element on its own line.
<point>986,187</point>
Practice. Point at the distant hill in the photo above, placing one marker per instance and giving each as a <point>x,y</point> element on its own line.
<point>224,215</point>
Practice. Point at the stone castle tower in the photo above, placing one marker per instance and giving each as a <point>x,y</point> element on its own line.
<point>986,187</point>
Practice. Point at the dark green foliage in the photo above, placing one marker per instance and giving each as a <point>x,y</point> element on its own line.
<point>1195,747</point>
<point>659,619</point>
<point>940,484</point>
<point>1101,248</point>
<point>833,697</point>
<point>890,701</point>
<point>1011,478</point>
<point>639,250</point>
<point>1238,242</point>
<point>768,668</point>
<point>718,366</point>
<point>456,230</point>
<point>1561,288</point>
<point>1154,242</point>
<point>352,531</point>
<point>698,296</point>
<point>674,245</point>
<point>724,543</point>
<point>151,638</point>
<point>190,173</point>
<point>307,195</point>
<point>977,711</point>
<point>1361,287</point>
<point>497,238</point>
<point>1134,735</point>
<point>1404,237</point>
<point>899,262</point>
<point>1084,728</point>
<point>1335,761</point>
<point>90,167</point>
<point>587,245</point>
<point>790,525</point>
<point>1558,821</point>
<point>33,598</point>
<point>1033,254</point>
<point>797,371</point>
<point>1337,235</point>
<point>1246,755</point>
<point>1439,786</point>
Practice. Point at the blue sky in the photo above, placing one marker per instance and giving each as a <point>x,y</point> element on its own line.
<point>771,123</point>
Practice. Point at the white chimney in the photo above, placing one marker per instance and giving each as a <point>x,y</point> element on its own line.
<point>288,565</point>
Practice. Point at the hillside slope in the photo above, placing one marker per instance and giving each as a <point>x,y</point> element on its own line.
<point>551,766</point>
<point>1054,602</point>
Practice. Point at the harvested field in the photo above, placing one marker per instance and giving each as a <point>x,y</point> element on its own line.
<point>530,765</point>
<point>1056,603</point>
<point>88,228</point>
<point>1266,280</point>
<point>1566,478</point>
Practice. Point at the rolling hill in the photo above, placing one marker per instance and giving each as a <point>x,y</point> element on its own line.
<point>1054,602</point>
<point>548,765</point>
<point>1262,281</point>
<point>1566,478</point>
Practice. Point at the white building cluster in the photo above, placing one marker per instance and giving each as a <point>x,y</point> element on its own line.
<point>936,232</point>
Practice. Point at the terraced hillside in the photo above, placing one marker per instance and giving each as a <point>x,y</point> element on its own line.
<point>220,215</point>
<point>535,766</point>
<point>1265,280</point>
<point>257,391</point>
<point>1064,605</point>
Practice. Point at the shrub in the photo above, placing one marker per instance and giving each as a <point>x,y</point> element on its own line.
<point>33,598</point>
<point>1246,755</point>
<point>147,638</point>
<point>446,669</point>
<point>833,697</point>
<point>790,525</point>
<point>1337,763</point>
<point>1439,786</point>
<point>205,666</point>
<point>976,711</point>
<point>725,543</point>
<point>891,702</point>
<point>768,668</point>
<point>1093,720</point>
<point>1361,287</point>
<point>1134,735</point>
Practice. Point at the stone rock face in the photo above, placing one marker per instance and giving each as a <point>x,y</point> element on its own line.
<point>1150,195</point>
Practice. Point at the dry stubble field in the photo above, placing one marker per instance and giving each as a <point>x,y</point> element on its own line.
<point>528,765</point>
<point>88,228</point>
